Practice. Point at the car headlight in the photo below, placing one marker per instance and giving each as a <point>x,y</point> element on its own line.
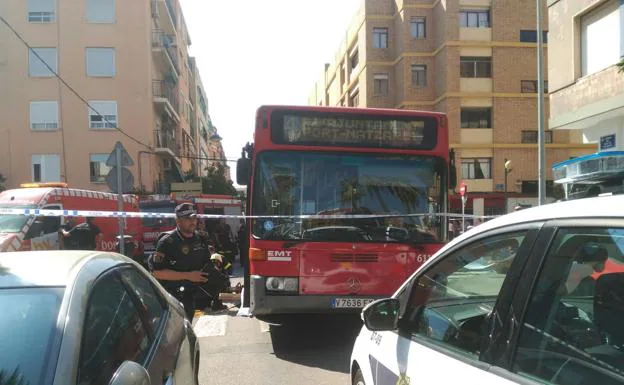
<point>281,284</point>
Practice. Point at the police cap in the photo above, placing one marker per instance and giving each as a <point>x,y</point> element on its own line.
<point>185,210</point>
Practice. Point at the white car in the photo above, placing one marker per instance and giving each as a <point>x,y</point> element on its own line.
<point>536,296</point>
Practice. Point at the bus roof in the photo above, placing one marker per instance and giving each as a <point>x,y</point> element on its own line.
<point>355,110</point>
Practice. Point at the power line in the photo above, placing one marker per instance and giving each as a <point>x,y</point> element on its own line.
<point>106,121</point>
<point>209,159</point>
<point>82,99</point>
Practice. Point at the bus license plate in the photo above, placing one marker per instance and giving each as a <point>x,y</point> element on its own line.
<point>350,302</point>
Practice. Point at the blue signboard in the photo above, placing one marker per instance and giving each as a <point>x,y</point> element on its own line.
<point>607,142</point>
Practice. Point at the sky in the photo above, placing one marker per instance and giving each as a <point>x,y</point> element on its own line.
<point>251,53</point>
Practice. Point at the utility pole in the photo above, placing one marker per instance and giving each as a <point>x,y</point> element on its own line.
<point>540,108</point>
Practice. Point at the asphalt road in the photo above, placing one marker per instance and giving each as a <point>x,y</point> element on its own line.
<point>242,350</point>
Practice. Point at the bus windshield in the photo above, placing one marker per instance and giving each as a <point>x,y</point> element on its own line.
<point>13,223</point>
<point>402,196</point>
<point>160,207</point>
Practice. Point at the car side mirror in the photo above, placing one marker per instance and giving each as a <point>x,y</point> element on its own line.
<point>130,373</point>
<point>243,168</point>
<point>382,315</point>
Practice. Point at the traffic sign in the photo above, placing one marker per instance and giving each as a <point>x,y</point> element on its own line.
<point>463,189</point>
<point>127,180</point>
<point>126,160</point>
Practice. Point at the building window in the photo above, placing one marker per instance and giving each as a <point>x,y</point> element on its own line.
<point>37,67</point>
<point>474,18</point>
<point>598,52</point>
<point>101,62</point>
<point>418,27</point>
<point>102,114</point>
<point>101,11</point>
<point>419,75</point>
<point>380,84</point>
<point>476,117</point>
<point>475,67</point>
<point>530,136</point>
<point>46,167</point>
<point>98,168</point>
<point>355,98</point>
<point>41,11</point>
<point>530,36</point>
<point>530,86</point>
<point>44,116</point>
<point>354,60</point>
<point>380,37</point>
<point>476,168</point>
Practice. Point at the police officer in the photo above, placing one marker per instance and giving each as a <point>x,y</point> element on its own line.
<point>182,262</point>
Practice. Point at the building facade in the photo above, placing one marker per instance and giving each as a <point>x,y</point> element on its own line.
<point>587,89</point>
<point>476,61</point>
<point>125,75</point>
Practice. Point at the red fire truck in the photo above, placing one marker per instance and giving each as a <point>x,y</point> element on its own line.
<point>374,182</point>
<point>211,204</point>
<point>21,232</point>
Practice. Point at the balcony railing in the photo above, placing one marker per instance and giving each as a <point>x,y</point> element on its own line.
<point>163,89</point>
<point>172,12</point>
<point>165,139</point>
<point>193,119</point>
<point>167,42</point>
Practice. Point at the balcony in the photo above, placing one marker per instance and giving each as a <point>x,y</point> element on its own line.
<point>163,48</point>
<point>193,120</point>
<point>476,136</point>
<point>475,34</point>
<point>164,11</point>
<point>166,145</point>
<point>166,98</point>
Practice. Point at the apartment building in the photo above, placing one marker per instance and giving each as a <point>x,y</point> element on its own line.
<point>210,147</point>
<point>587,89</point>
<point>476,61</point>
<point>128,78</point>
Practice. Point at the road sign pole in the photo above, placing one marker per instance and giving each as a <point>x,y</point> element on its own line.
<point>120,190</point>
<point>463,214</point>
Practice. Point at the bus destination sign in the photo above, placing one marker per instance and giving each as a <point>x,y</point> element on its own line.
<point>377,132</point>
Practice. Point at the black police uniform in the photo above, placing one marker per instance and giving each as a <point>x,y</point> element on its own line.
<point>183,254</point>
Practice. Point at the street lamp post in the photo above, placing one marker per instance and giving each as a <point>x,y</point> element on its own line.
<point>507,171</point>
<point>540,108</point>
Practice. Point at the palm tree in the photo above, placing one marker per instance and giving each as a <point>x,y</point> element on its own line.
<point>620,65</point>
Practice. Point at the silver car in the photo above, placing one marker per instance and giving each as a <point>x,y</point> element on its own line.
<point>90,317</point>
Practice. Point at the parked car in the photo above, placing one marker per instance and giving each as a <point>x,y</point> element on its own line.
<point>536,296</point>
<point>90,317</point>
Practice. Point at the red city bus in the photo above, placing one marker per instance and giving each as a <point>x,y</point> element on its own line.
<point>392,166</point>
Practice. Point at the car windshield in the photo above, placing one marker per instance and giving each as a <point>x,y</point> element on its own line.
<point>13,223</point>
<point>28,329</point>
<point>401,194</point>
<point>167,208</point>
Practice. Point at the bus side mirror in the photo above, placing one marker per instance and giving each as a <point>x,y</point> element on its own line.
<point>452,171</point>
<point>243,168</point>
<point>453,176</point>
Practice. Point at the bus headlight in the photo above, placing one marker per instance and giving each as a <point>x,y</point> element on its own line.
<point>282,284</point>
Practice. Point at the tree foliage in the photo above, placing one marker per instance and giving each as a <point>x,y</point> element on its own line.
<point>2,180</point>
<point>216,182</point>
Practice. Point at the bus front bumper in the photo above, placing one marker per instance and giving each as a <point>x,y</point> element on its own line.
<point>263,303</point>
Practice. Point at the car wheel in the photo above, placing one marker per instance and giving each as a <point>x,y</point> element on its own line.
<point>358,378</point>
